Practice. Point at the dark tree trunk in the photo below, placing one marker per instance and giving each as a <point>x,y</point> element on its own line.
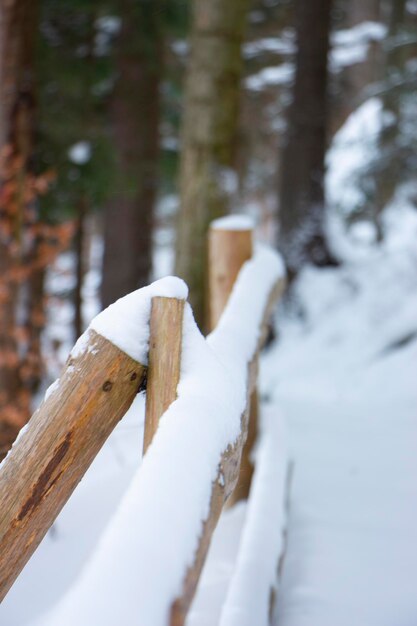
<point>302,202</point>
<point>135,118</point>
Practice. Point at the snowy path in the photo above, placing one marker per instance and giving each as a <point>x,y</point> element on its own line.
<point>352,546</point>
<point>348,389</point>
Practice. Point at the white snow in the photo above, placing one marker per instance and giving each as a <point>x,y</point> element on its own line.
<point>233,222</point>
<point>276,75</point>
<point>126,322</point>
<point>52,388</point>
<point>261,546</point>
<point>352,149</point>
<point>361,33</point>
<point>109,24</point>
<point>80,153</point>
<point>274,45</point>
<point>344,56</point>
<point>61,556</point>
<point>180,47</point>
<point>218,570</point>
<point>344,376</point>
<point>350,46</point>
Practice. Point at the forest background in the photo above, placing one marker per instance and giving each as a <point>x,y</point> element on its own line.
<point>126,127</point>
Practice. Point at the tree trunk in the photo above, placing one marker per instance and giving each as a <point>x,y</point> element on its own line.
<point>302,202</point>
<point>17,105</point>
<point>135,118</point>
<point>207,176</point>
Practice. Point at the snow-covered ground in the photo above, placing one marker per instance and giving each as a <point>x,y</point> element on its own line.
<point>344,375</point>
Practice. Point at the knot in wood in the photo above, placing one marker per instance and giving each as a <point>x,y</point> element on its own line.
<point>107,385</point>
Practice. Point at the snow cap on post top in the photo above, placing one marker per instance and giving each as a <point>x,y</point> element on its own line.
<point>233,222</point>
<point>126,322</point>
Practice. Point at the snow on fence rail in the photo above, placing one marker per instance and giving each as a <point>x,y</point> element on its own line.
<point>151,555</point>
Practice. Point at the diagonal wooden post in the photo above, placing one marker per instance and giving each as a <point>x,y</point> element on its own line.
<point>95,389</point>
<point>164,361</point>
<point>230,246</point>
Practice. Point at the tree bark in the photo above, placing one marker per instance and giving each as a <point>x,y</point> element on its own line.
<point>302,202</point>
<point>135,119</point>
<point>207,177</point>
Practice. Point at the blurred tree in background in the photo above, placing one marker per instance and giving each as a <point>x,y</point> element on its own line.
<point>302,202</point>
<point>207,174</point>
<point>135,121</point>
<point>27,241</point>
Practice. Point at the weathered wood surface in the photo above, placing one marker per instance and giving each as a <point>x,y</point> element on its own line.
<point>242,489</point>
<point>164,363</point>
<point>62,438</point>
<point>226,481</point>
<point>228,251</point>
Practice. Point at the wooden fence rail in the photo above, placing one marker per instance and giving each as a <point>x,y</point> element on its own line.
<point>59,444</point>
<point>66,433</point>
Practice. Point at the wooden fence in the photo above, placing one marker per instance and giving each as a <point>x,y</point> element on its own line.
<point>67,431</point>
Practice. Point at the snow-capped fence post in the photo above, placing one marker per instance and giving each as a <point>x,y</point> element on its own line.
<point>164,361</point>
<point>230,246</point>
<point>97,386</point>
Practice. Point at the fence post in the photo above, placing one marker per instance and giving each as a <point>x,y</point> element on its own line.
<point>164,361</point>
<point>230,246</point>
<point>95,389</point>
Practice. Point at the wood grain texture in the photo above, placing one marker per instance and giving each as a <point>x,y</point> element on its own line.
<point>228,251</point>
<point>62,438</point>
<point>164,361</point>
<point>242,489</point>
<point>227,478</point>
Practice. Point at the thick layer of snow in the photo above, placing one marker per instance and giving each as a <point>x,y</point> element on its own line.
<point>169,497</point>
<point>234,222</point>
<point>126,322</point>
<point>352,149</point>
<point>261,547</point>
<point>344,375</point>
